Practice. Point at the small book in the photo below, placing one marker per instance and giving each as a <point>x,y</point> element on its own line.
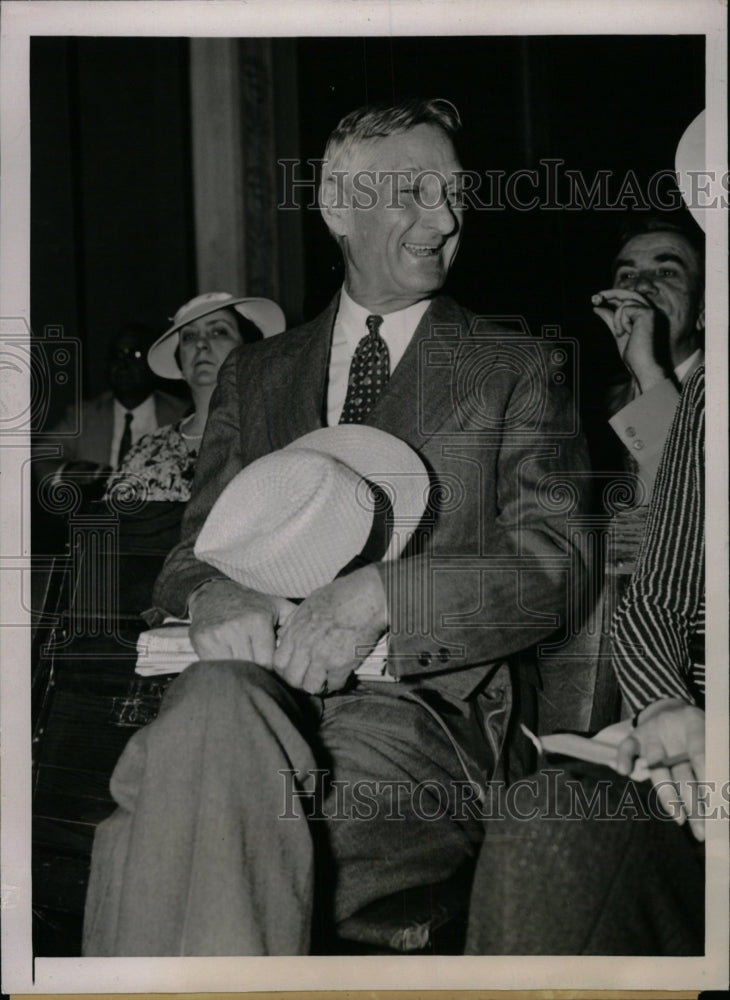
<point>167,650</point>
<point>599,749</point>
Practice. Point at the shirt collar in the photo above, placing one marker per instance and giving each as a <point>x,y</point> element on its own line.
<point>688,365</point>
<point>401,323</point>
<point>145,408</point>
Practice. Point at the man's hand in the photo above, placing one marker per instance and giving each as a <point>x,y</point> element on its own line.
<point>670,737</point>
<point>332,631</point>
<point>635,325</point>
<point>230,622</point>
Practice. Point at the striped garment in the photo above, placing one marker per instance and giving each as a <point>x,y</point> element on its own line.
<point>658,631</point>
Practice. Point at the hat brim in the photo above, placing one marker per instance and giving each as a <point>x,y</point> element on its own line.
<point>264,313</point>
<point>690,161</point>
<point>386,461</point>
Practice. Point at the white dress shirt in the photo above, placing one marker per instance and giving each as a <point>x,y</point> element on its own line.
<point>144,421</point>
<point>396,330</point>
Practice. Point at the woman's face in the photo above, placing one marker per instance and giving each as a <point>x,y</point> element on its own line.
<point>204,346</point>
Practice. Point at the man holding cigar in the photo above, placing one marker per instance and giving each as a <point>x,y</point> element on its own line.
<point>656,313</point>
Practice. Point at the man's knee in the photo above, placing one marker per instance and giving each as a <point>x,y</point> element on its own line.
<point>219,682</point>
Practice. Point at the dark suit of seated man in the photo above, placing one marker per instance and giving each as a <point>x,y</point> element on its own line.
<point>211,851</point>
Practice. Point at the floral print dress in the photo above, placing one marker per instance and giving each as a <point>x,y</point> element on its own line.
<point>160,466</point>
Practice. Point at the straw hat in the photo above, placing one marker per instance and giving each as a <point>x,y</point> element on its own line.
<point>264,313</point>
<point>290,522</point>
<point>690,160</point>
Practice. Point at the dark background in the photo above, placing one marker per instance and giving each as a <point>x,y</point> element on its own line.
<point>112,232</point>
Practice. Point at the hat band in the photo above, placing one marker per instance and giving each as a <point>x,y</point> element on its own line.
<point>381,532</point>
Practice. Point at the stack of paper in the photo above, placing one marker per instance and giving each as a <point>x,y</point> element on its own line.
<point>167,650</point>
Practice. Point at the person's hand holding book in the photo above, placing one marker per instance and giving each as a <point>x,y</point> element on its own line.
<point>669,737</point>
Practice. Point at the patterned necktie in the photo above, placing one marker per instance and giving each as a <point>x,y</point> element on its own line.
<point>369,374</point>
<point>126,442</point>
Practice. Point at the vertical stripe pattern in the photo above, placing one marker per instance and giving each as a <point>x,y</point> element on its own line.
<point>658,631</point>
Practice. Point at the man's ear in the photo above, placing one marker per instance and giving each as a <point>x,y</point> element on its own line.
<point>333,205</point>
<point>700,323</point>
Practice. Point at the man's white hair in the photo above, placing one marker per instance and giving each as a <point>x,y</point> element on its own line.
<point>377,121</point>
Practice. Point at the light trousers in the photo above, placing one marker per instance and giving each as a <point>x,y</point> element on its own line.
<point>213,851</point>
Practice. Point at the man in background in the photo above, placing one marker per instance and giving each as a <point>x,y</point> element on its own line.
<point>655,310</point>
<point>112,422</point>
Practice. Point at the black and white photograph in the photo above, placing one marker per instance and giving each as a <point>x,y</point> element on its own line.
<point>355,594</point>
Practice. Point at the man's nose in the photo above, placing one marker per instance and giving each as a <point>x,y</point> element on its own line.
<point>644,282</point>
<point>441,217</point>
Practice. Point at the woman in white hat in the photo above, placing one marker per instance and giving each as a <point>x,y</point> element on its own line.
<point>204,331</point>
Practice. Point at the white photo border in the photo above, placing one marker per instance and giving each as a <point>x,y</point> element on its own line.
<point>22,19</point>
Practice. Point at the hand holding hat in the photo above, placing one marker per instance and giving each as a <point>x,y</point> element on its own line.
<point>230,622</point>
<point>327,636</point>
<point>291,522</point>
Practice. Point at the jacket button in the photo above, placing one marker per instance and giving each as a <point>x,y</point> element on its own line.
<point>631,432</point>
<point>638,445</point>
<point>444,655</point>
<point>424,659</point>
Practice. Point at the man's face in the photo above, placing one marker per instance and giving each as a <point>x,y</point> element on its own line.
<point>664,268</point>
<point>129,375</point>
<point>400,240</point>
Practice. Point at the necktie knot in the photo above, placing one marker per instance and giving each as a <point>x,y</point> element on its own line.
<point>373,323</point>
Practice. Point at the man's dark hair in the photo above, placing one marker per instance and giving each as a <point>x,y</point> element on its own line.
<point>640,225</point>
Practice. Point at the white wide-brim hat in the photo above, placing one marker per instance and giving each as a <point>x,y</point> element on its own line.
<point>291,521</point>
<point>689,162</point>
<point>264,313</point>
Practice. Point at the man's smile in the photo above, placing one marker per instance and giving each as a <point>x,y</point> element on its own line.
<point>421,249</point>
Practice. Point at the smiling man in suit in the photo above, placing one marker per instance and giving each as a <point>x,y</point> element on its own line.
<point>212,850</point>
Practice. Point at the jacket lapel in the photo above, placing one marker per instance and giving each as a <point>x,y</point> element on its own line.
<point>298,376</point>
<point>420,396</point>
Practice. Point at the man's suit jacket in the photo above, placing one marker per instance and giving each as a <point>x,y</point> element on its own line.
<point>492,419</point>
<point>642,421</point>
<point>96,423</point>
